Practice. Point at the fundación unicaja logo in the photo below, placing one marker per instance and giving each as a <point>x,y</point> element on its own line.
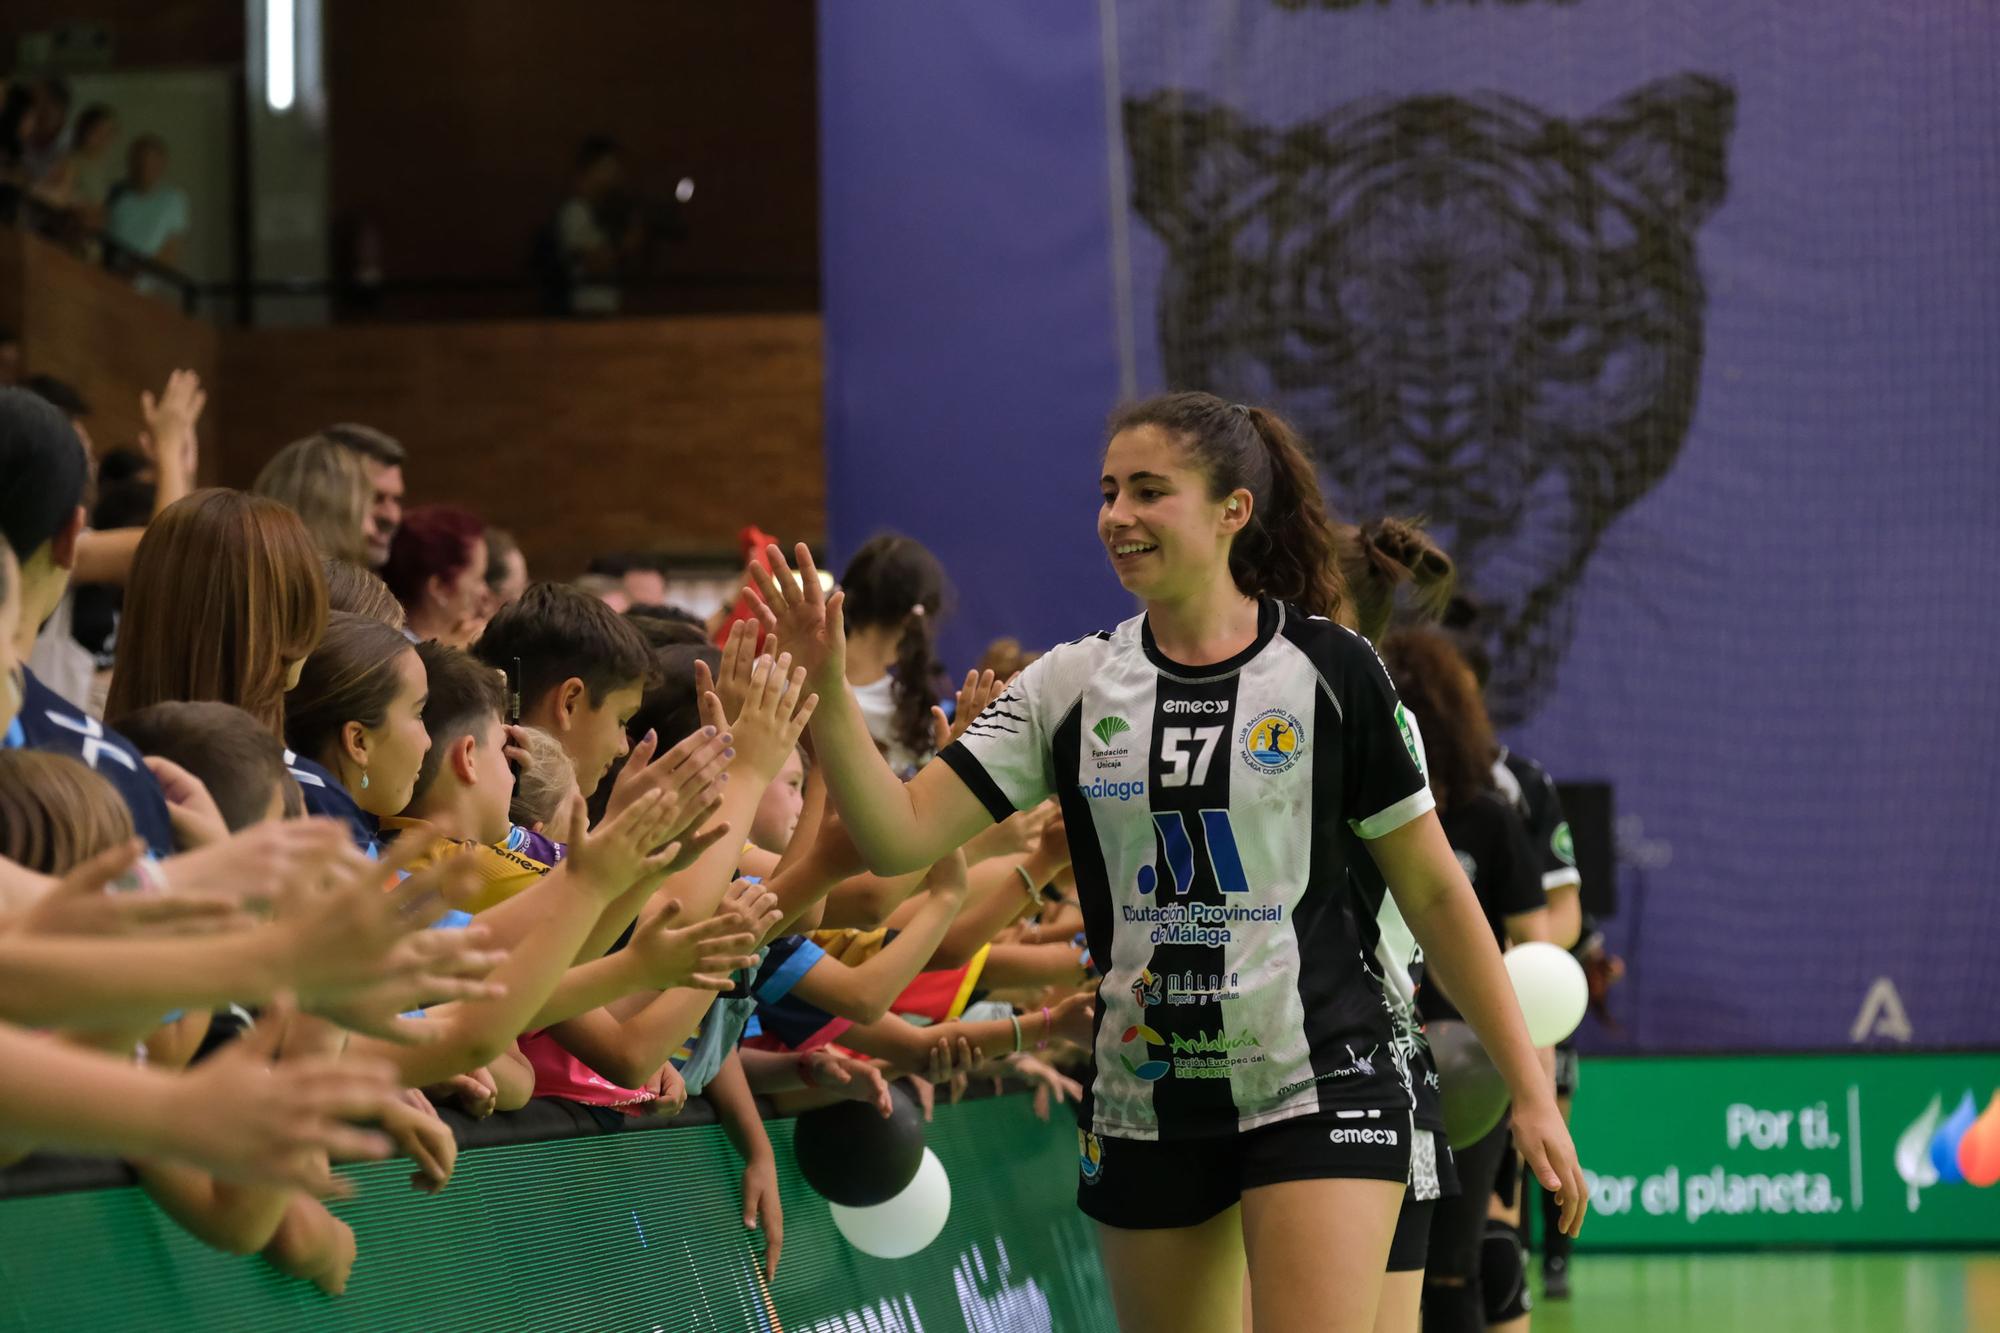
<point>1109,727</point>
<point>1962,1148</point>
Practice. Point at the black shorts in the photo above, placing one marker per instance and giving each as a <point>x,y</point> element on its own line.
<point>1433,1176</point>
<point>1146,1184</point>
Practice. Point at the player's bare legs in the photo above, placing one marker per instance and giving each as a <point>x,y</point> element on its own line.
<point>1178,1279</point>
<point>1317,1250</point>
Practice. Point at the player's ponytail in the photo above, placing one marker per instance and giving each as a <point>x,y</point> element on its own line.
<point>1380,556</point>
<point>1288,549</point>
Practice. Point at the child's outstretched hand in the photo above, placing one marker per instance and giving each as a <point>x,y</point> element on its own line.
<point>702,956</point>
<point>754,904</point>
<point>795,608</point>
<point>694,771</point>
<point>248,1120</point>
<point>775,712</point>
<point>980,689</point>
<point>619,852</point>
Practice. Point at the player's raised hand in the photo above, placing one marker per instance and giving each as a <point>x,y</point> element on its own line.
<point>794,607</point>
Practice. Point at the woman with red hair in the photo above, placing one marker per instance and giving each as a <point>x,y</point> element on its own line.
<point>437,569</point>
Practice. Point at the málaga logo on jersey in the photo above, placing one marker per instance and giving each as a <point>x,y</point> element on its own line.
<point>1273,741</point>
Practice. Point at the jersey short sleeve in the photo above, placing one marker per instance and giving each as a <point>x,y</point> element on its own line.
<point>1509,879</point>
<point>1005,755</point>
<point>1548,830</point>
<point>1382,758</point>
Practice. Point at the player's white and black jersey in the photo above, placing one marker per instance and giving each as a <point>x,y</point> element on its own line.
<point>1527,785</point>
<point>1212,814</point>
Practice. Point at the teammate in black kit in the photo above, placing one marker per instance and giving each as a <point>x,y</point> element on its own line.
<point>1475,1278</point>
<point>1220,761</point>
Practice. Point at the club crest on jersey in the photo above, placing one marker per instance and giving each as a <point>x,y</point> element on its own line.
<point>1272,741</point>
<point>1090,1154</point>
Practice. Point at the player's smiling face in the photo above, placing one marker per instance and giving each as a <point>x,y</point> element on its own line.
<point>1164,533</point>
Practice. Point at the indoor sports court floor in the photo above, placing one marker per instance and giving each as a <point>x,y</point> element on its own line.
<point>1948,1292</point>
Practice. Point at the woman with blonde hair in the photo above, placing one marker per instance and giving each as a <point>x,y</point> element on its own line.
<point>327,485</point>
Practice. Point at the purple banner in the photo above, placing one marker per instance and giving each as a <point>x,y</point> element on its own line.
<point>1681,323</point>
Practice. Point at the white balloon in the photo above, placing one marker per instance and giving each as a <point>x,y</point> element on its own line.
<point>1551,988</point>
<point>906,1223</point>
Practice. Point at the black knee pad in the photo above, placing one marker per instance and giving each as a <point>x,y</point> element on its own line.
<point>1503,1273</point>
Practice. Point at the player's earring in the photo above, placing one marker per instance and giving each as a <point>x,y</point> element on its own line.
<point>364,779</point>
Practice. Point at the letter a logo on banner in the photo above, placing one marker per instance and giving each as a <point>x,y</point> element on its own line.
<point>1882,1014</point>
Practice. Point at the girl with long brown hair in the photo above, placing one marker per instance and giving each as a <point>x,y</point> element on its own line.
<point>225,602</point>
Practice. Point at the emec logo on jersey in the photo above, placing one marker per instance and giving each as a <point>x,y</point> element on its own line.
<point>1273,741</point>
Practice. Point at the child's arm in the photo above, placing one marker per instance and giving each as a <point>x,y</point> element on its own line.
<point>630,1050</point>
<point>736,1110</point>
<point>864,992</point>
<point>513,1080</point>
<point>699,957</point>
<point>313,1244</point>
<point>908,1048</point>
<point>566,903</point>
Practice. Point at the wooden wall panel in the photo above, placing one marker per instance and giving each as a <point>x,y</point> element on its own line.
<point>580,438</point>
<point>81,324</point>
<point>145,34</point>
<point>454,125</point>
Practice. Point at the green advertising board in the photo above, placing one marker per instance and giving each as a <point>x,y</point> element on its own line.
<point>638,1231</point>
<point>1707,1152</point>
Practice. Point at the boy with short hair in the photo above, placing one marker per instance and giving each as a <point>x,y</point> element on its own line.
<point>576,669</point>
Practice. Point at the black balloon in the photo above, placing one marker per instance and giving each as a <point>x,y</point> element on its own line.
<point>1474,1094</point>
<point>853,1156</point>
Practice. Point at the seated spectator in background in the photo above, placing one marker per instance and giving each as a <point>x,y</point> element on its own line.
<point>437,570</point>
<point>606,588</point>
<point>145,215</point>
<point>349,587</point>
<point>72,183</point>
<point>383,457</point>
<point>226,601</point>
<point>590,245</point>
<point>327,484</point>
<point>506,570</point>
<point>55,813</point>
<point>31,130</point>
<point>1006,658</point>
<point>10,357</point>
<point>42,516</point>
